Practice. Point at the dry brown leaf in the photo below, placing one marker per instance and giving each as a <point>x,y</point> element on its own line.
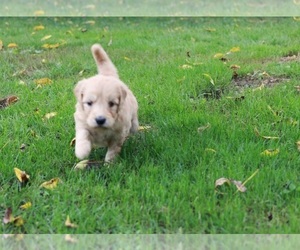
<point>73,142</point>
<point>68,223</point>
<point>239,186</point>
<point>8,217</point>
<point>221,181</point>
<point>8,101</point>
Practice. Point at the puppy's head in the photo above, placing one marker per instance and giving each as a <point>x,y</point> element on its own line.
<point>100,100</point>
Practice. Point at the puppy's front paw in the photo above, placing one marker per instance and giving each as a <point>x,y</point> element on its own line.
<point>83,149</point>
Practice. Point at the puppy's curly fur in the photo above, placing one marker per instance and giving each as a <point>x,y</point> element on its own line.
<point>106,110</point>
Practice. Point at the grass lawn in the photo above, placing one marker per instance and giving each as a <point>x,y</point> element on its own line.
<point>217,93</point>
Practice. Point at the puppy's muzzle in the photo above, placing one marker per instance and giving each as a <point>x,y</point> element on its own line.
<point>100,120</point>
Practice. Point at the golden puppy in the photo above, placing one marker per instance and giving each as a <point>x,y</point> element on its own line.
<point>106,110</point>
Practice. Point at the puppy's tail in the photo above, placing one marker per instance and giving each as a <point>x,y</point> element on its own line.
<point>104,64</point>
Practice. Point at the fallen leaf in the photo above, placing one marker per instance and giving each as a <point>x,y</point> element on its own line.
<point>219,55</point>
<point>209,78</point>
<point>235,67</point>
<point>239,186</point>
<point>21,175</point>
<point>8,101</point>
<point>43,81</point>
<point>186,66</point>
<point>8,217</point>
<point>70,239</point>
<point>39,27</point>
<point>50,115</point>
<point>73,141</point>
<point>270,152</point>
<point>12,45</point>
<point>50,46</point>
<point>23,146</point>
<point>265,137</point>
<point>46,37</point>
<point>81,165</point>
<point>50,184</point>
<point>144,128</point>
<point>127,58</point>
<point>221,181</point>
<point>297,2</point>
<point>210,150</point>
<point>81,72</point>
<point>202,128</point>
<point>68,223</point>
<point>1,45</point>
<point>296,18</point>
<point>297,88</point>
<point>26,205</point>
<point>235,49</point>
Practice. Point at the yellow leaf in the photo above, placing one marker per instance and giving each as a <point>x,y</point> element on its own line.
<point>219,55</point>
<point>68,223</point>
<point>26,205</point>
<point>46,37</point>
<point>39,13</point>
<point>39,27</point>
<point>51,46</point>
<point>50,184</point>
<point>12,45</point>
<point>1,45</point>
<point>210,150</point>
<point>235,49</point>
<point>144,128</point>
<point>186,66</point>
<point>81,165</point>
<point>210,78</point>
<point>127,58</point>
<point>18,221</point>
<point>50,115</point>
<point>43,81</point>
<point>298,145</point>
<point>296,18</point>
<point>270,152</point>
<point>21,175</point>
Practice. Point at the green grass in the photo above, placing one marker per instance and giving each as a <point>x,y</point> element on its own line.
<point>163,180</point>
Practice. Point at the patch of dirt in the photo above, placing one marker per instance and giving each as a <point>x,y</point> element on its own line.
<point>290,57</point>
<point>257,79</point>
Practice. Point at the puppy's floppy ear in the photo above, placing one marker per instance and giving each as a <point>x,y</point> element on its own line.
<point>78,90</point>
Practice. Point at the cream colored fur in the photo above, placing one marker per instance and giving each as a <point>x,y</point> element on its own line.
<point>106,110</point>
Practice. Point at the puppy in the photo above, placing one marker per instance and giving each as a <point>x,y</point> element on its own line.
<point>106,110</point>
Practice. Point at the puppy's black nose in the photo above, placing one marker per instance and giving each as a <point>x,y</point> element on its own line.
<point>100,120</point>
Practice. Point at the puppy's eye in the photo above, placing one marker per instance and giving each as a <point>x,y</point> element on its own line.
<point>111,104</point>
<point>89,103</point>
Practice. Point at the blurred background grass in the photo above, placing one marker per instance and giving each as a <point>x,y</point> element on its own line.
<point>150,8</point>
